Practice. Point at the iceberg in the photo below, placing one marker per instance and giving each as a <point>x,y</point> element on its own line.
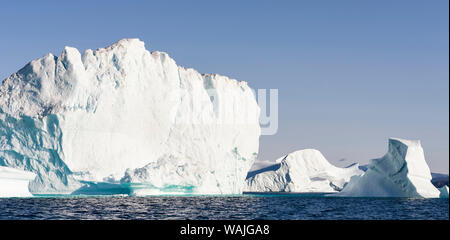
<point>14,182</point>
<point>122,117</point>
<point>301,171</point>
<point>443,192</point>
<point>402,172</point>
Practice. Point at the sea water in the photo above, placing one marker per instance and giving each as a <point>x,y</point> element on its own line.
<point>247,206</point>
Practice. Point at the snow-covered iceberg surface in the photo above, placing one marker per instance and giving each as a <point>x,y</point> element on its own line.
<point>402,172</point>
<point>14,182</point>
<point>301,171</point>
<point>126,116</point>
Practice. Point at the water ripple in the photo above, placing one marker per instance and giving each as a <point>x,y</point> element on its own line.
<point>235,207</point>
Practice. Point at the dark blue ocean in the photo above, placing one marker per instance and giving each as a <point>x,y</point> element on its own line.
<point>247,206</point>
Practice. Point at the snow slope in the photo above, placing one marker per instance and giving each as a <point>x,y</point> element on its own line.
<point>14,182</point>
<point>301,171</point>
<point>86,118</point>
<point>402,172</point>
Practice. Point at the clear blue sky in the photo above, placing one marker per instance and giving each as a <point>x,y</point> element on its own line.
<point>350,74</point>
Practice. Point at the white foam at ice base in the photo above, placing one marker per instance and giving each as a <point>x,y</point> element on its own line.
<point>402,172</point>
<point>301,171</point>
<point>14,182</point>
<point>106,114</point>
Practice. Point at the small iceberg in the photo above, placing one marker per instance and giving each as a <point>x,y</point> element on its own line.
<point>14,182</point>
<point>402,172</point>
<point>301,171</point>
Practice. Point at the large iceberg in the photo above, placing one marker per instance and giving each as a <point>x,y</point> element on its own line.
<point>14,182</point>
<point>301,171</point>
<point>125,116</point>
<point>402,172</point>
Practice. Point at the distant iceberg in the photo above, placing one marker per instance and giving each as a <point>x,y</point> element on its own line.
<point>14,182</point>
<point>301,171</point>
<point>402,172</point>
<point>439,179</point>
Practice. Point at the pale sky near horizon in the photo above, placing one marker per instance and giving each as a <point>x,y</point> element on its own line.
<point>350,74</point>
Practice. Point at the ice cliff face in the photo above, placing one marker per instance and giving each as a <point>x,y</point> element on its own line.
<point>402,172</point>
<point>14,182</point>
<point>124,114</point>
<point>301,171</point>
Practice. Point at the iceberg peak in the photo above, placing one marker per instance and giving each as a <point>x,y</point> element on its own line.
<point>129,42</point>
<point>396,141</point>
<point>123,45</point>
